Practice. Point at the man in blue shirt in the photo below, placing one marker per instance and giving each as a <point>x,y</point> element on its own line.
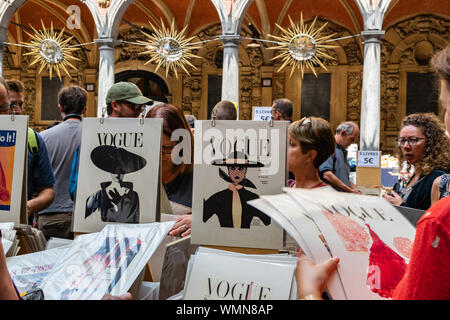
<point>40,173</point>
<point>336,169</point>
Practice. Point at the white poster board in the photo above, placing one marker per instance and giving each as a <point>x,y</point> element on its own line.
<point>235,162</point>
<point>262,113</point>
<point>118,178</point>
<point>13,170</point>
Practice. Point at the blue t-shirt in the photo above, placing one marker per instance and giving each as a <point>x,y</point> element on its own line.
<point>40,172</point>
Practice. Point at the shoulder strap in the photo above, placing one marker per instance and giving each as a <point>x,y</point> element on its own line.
<point>334,161</point>
<point>32,141</point>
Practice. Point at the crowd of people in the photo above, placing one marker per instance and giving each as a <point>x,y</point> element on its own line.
<point>317,158</point>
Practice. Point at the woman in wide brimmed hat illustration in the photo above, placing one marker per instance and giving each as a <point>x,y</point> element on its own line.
<point>230,205</point>
<point>116,200</point>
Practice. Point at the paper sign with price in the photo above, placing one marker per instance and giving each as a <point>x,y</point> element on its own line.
<point>262,113</point>
<point>369,159</point>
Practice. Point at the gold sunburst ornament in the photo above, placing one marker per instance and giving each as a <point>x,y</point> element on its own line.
<point>302,46</point>
<point>169,49</point>
<point>50,50</point>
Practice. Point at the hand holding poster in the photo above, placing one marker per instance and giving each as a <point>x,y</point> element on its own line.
<point>119,173</point>
<point>372,239</point>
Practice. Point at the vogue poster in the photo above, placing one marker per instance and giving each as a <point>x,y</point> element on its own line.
<point>372,239</point>
<point>236,162</point>
<point>13,140</point>
<point>118,178</point>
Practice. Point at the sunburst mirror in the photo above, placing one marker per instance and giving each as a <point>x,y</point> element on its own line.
<point>169,49</point>
<point>302,46</point>
<point>49,49</point>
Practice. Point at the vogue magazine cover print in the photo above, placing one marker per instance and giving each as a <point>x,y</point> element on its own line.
<point>241,161</point>
<point>372,239</point>
<point>13,145</point>
<point>119,173</point>
<point>7,148</point>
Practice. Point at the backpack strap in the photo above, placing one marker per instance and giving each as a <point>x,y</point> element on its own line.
<point>32,141</point>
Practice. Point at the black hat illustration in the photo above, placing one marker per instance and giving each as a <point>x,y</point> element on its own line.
<point>117,160</point>
<point>237,158</point>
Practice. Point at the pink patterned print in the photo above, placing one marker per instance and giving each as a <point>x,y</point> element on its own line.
<point>404,246</point>
<point>354,236</point>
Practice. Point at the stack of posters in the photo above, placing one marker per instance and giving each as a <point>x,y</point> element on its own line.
<point>107,262</point>
<point>372,239</point>
<point>119,174</point>
<point>32,239</point>
<point>13,146</point>
<point>224,275</point>
<point>10,242</point>
<point>236,161</point>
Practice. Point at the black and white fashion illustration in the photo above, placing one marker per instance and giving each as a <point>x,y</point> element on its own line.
<point>116,200</point>
<point>230,205</point>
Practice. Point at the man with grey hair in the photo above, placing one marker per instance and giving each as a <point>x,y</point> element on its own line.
<point>336,170</point>
<point>282,109</point>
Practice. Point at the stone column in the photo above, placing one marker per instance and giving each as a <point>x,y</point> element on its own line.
<point>105,71</point>
<point>372,12</point>
<point>230,71</point>
<point>370,102</point>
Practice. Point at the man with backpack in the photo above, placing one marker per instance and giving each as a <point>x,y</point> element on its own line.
<point>40,173</point>
<point>336,170</point>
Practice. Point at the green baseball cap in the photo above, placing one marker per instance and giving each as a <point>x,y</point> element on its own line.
<point>126,91</point>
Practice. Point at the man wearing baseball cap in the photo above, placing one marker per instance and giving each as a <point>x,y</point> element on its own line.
<point>125,100</point>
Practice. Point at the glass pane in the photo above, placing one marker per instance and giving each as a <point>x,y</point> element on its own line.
<point>316,96</point>
<point>214,92</point>
<point>49,98</point>
<point>422,93</point>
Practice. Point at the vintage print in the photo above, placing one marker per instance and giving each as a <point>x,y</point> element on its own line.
<point>13,140</point>
<point>241,160</point>
<point>119,167</point>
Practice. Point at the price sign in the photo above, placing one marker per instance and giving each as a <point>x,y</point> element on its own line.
<point>262,113</point>
<point>369,159</point>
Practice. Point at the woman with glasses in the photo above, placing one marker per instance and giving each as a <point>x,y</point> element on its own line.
<point>177,178</point>
<point>422,143</point>
<point>311,142</point>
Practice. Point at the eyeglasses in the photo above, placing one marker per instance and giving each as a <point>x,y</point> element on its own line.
<point>135,107</point>
<point>10,106</point>
<point>412,141</point>
<point>305,121</point>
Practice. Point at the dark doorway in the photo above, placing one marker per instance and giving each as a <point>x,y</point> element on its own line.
<point>151,85</point>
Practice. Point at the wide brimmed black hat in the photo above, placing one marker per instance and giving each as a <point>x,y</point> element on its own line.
<point>117,160</point>
<point>237,158</point>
